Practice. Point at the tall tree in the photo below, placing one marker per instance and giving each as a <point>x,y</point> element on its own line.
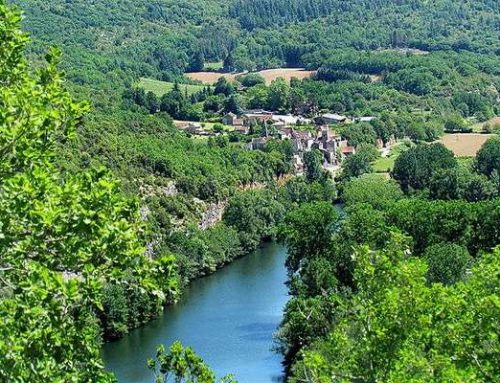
<point>313,162</point>
<point>62,237</point>
<point>415,167</point>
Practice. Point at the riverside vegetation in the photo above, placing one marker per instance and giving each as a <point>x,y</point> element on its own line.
<point>402,288</point>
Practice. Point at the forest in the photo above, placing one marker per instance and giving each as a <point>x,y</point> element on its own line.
<point>108,211</point>
<point>404,287</point>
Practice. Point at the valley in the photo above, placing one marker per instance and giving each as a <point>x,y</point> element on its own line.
<point>298,191</point>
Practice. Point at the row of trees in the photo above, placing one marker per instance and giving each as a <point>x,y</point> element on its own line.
<point>434,169</point>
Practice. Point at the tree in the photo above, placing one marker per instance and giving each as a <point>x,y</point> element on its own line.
<point>197,62</point>
<point>479,188</point>
<point>257,96</point>
<point>251,79</point>
<point>359,133</point>
<point>356,165</point>
<point>181,364</point>
<point>307,232</point>
<point>396,328</point>
<point>455,124</point>
<point>223,86</point>
<point>373,189</point>
<point>62,236</point>
<point>313,162</point>
<point>415,167</point>
<point>233,104</point>
<point>278,96</point>
<point>254,214</point>
<point>229,64</point>
<point>488,158</point>
<point>448,263</point>
<point>382,130</point>
<point>152,103</point>
<point>447,184</point>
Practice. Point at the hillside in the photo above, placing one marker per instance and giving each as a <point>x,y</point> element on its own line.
<point>160,40</point>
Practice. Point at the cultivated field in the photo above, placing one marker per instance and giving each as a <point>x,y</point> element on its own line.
<point>268,74</point>
<point>465,145</point>
<point>210,78</point>
<point>161,87</point>
<point>286,73</point>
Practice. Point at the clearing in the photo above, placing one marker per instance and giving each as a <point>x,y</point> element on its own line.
<point>269,75</point>
<point>386,164</point>
<point>161,87</point>
<point>465,144</point>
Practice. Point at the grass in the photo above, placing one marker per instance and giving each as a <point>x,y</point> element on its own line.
<point>214,66</point>
<point>161,87</point>
<point>386,164</point>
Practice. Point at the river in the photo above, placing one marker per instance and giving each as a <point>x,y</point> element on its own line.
<point>228,318</point>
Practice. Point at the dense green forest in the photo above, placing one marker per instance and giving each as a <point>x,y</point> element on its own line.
<point>160,39</point>
<point>107,210</point>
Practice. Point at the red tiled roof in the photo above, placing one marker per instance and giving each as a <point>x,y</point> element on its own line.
<point>348,149</point>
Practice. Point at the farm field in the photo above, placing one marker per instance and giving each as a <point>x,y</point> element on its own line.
<point>269,75</point>
<point>161,87</point>
<point>463,144</point>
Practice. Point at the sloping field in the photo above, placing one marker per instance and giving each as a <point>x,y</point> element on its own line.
<point>210,78</point>
<point>269,75</point>
<point>161,87</point>
<point>286,73</point>
<point>465,145</point>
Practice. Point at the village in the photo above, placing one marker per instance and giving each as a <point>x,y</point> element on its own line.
<point>305,134</point>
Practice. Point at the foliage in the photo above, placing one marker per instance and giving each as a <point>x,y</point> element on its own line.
<point>62,236</point>
<point>251,79</point>
<point>459,183</point>
<point>182,365</point>
<point>396,328</point>
<point>448,263</point>
<point>313,163</point>
<point>372,189</point>
<point>488,158</point>
<point>254,214</point>
<point>415,167</point>
<point>356,165</point>
<point>306,231</point>
<point>429,222</point>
